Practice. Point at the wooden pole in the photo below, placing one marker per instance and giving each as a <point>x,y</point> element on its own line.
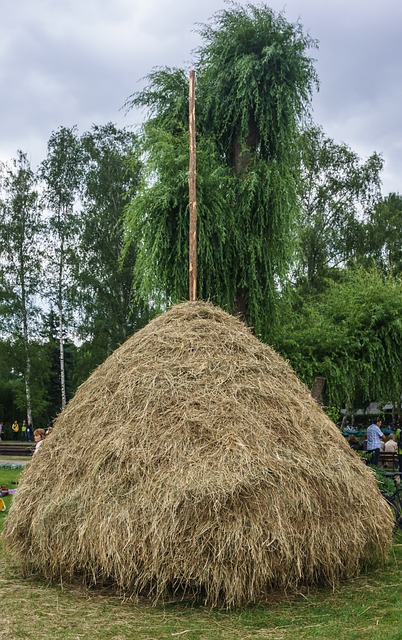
<point>192,195</point>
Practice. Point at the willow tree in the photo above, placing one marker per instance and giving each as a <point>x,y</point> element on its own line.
<point>254,86</point>
<point>350,333</point>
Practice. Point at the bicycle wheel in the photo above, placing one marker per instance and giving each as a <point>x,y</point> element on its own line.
<point>395,512</point>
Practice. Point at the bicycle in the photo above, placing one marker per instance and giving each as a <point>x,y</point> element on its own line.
<point>394,498</point>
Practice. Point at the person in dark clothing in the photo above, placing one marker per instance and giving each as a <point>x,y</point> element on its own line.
<point>354,443</point>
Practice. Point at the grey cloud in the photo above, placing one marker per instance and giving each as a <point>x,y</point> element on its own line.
<point>76,63</point>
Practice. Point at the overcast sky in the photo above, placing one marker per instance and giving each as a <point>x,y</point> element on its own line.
<point>75,62</point>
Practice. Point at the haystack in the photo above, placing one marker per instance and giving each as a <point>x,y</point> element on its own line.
<point>193,461</point>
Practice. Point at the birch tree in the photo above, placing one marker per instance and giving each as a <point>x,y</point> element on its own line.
<point>21,261</point>
<point>108,314</point>
<point>61,172</point>
<point>338,192</point>
<point>384,235</point>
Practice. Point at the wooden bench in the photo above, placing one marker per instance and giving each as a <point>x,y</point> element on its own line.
<point>388,460</point>
<point>16,450</point>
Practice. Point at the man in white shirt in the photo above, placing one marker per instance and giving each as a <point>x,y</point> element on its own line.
<point>374,437</point>
<point>391,446</point>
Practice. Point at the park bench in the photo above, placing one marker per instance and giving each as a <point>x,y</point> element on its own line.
<point>388,460</point>
<point>15,449</point>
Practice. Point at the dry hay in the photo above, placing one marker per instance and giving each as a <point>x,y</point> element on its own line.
<point>194,461</point>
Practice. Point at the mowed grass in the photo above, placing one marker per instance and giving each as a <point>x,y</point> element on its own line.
<point>368,607</point>
<point>9,478</point>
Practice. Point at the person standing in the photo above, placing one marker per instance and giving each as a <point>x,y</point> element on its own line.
<point>15,427</point>
<point>1,431</point>
<point>398,439</point>
<point>374,438</point>
<point>29,434</point>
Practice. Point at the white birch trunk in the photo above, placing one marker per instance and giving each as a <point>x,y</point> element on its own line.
<point>27,375</point>
<point>62,370</point>
<point>61,328</point>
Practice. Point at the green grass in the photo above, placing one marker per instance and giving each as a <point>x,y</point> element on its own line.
<point>369,607</point>
<point>8,477</point>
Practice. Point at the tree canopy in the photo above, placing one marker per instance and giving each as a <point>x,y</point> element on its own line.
<point>254,84</point>
<point>383,234</point>
<point>351,334</point>
<point>338,192</point>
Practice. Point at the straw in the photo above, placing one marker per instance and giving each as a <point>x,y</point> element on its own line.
<point>194,462</point>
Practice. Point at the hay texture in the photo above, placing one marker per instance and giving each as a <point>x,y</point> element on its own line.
<point>193,461</point>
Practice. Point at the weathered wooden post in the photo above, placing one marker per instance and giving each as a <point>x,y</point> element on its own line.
<point>192,194</point>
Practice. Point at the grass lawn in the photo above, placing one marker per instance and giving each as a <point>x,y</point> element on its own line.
<point>369,607</point>
<point>8,477</point>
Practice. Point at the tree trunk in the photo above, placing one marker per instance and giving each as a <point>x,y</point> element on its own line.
<point>62,371</point>
<point>242,153</point>
<point>61,330</point>
<point>27,374</point>
<point>240,309</point>
<point>241,160</point>
<point>348,411</point>
<point>318,388</point>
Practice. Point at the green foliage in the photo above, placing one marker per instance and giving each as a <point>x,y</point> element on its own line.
<point>157,221</point>
<point>86,184</point>
<point>21,256</point>
<point>111,171</point>
<point>254,83</point>
<point>50,356</point>
<point>337,193</point>
<point>385,484</point>
<point>9,477</point>
<point>61,174</point>
<point>45,382</point>
<point>165,98</point>
<point>276,199</point>
<point>364,455</point>
<point>21,230</point>
<point>352,335</point>
<point>383,233</point>
<point>333,413</point>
